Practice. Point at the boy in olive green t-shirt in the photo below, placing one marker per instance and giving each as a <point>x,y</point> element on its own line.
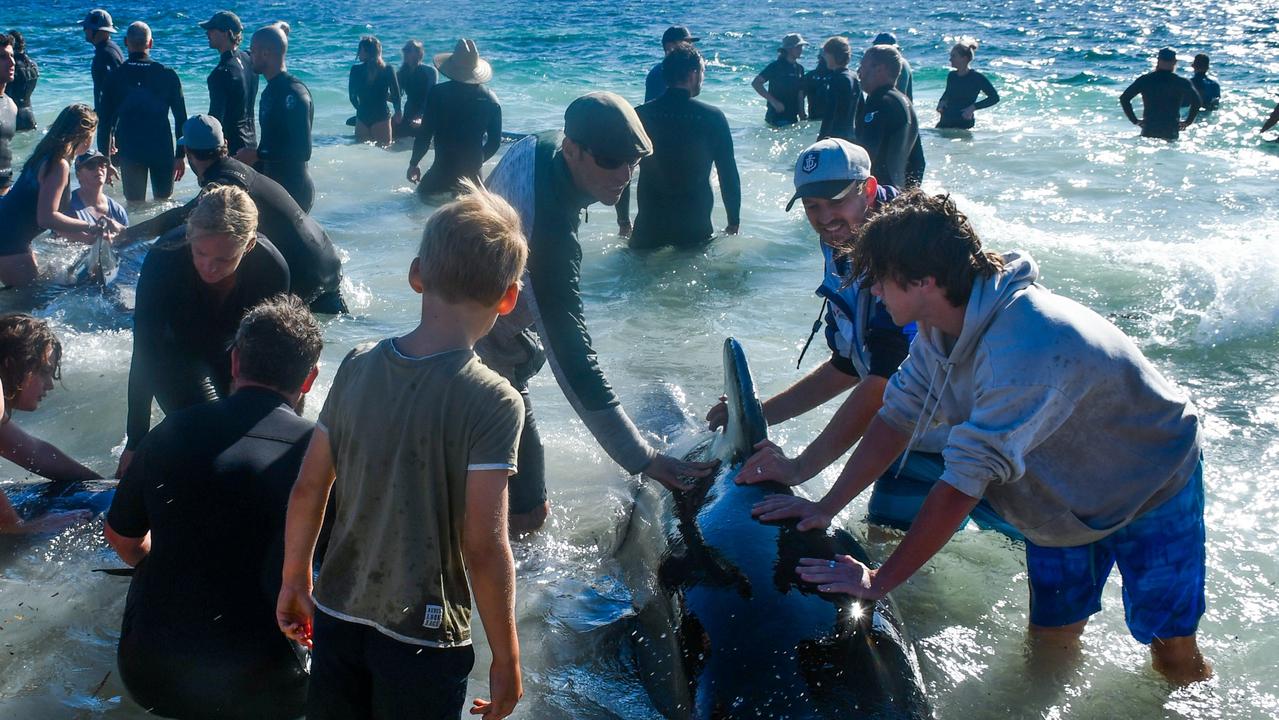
<point>419,438</point>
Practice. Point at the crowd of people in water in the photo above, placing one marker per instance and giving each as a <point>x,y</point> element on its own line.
<point>984,393</point>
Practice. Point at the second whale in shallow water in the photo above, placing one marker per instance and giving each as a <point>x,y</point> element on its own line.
<point>725,627</point>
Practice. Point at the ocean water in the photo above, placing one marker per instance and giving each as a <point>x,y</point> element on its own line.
<point>1174,243</point>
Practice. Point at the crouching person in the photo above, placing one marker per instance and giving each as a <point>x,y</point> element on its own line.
<point>200,514</point>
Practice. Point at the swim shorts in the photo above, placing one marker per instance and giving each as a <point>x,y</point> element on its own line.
<point>1160,557</point>
<point>898,494</point>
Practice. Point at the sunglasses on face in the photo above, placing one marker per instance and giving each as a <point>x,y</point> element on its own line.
<point>607,162</point>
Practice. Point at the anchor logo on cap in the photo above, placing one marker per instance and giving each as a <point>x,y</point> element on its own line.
<point>811,159</point>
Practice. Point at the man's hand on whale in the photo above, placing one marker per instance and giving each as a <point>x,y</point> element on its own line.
<point>810,514</point>
<point>843,575</point>
<point>674,473</point>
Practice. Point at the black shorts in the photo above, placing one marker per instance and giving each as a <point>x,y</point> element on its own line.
<point>357,672</point>
<point>527,487</point>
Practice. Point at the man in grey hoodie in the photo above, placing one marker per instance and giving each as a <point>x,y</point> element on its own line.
<point>1057,420</point>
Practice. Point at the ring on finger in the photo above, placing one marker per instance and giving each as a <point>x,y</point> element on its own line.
<point>831,564</point>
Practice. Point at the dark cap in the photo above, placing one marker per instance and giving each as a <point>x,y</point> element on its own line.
<point>91,156</point>
<point>98,19</point>
<point>224,20</point>
<point>678,33</point>
<point>1168,55</point>
<point>605,124</point>
<point>201,132</point>
<point>885,38</point>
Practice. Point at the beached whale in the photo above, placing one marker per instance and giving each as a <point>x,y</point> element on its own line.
<point>725,628</point>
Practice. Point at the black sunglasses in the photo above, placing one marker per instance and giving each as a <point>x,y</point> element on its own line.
<point>608,162</point>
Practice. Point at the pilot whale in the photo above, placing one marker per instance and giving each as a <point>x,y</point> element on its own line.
<point>724,627</point>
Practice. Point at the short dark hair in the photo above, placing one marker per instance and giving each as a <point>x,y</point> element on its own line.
<point>26,345</point>
<point>19,43</point>
<point>216,153</point>
<point>6,41</point>
<point>1201,60</point>
<point>681,61</point>
<point>279,342</point>
<point>918,236</point>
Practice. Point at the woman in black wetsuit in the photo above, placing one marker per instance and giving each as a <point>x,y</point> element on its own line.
<point>416,80</point>
<point>37,197</point>
<point>959,102</point>
<point>25,76</point>
<point>372,84</point>
<point>195,285</point>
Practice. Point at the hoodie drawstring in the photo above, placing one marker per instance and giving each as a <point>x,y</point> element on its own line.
<point>922,425</point>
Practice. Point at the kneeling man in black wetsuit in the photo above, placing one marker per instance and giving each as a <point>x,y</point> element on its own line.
<point>315,270</point>
<point>200,514</point>
<point>675,197</point>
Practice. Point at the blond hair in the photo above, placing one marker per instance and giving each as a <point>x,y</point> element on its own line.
<point>224,210</point>
<point>472,248</point>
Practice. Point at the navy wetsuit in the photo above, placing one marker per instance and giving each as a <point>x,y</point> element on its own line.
<point>675,197</point>
<point>285,114</point>
<point>785,82</point>
<point>370,93</point>
<point>1163,93</point>
<point>8,128</point>
<point>906,81</point>
<point>181,331</point>
<point>817,90</point>
<point>25,76</point>
<point>842,102</point>
<point>18,225</point>
<point>961,92</point>
<point>106,58</point>
<point>464,120</point>
<point>315,270</point>
<point>140,96</point>
<point>416,84</point>
<point>1209,92</point>
<point>654,83</point>
<point>233,88</point>
<point>888,130</point>
<point>211,484</point>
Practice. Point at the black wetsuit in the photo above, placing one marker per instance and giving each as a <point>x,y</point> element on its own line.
<point>315,270</point>
<point>8,128</point>
<point>106,58</point>
<point>181,333</point>
<point>817,90</point>
<point>285,114</point>
<point>654,83</point>
<point>211,484</point>
<point>1163,92</point>
<point>1209,93</point>
<point>785,82</point>
<point>25,76</point>
<point>416,84</point>
<point>140,96</point>
<point>961,92</point>
<point>18,225</point>
<point>842,102</point>
<point>369,95</point>
<point>464,120</point>
<point>233,88</point>
<point>888,130</point>
<point>675,197</point>
<point>906,81</point>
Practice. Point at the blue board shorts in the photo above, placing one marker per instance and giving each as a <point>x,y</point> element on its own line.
<point>897,496</point>
<point>1161,558</point>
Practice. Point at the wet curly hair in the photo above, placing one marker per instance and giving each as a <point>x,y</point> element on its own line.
<point>27,345</point>
<point>918,236</point>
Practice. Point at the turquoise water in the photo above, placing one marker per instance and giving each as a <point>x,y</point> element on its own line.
<point>1175,243</point>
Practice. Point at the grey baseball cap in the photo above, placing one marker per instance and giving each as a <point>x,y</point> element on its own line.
<point>224,20</point>
<point>202,132</point>
<point>829,169</point>
<point>98,19</point>
<point>793,40</point>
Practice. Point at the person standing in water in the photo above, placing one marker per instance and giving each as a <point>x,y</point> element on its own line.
<point>203,503</point>
<point>26,76</point>
<point>1209,89</point>
<point>285,115</point>
<point>654,85</point>
<point>886,125</point>
<point>464,120</point>
<point>88,201</point>
<point>8,113</point>
<point>98,29</point>
<point>550,178</point>
<point>140,96</point>
<point>916,165</point>
<point>1272,120</point>
<point>688,136</point>
<point>959,101</point>
<point>785,78</point>
<point>233,86</point>
<point>194,287</point>
<point>371,84</point>
<point>416,80</point>
<point>840,118</point>
<point>38,196</point>
<point>816,88</point>
<point>1163,93</point>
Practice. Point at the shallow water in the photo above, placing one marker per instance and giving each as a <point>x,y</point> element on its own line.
<point>1173,242</point>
